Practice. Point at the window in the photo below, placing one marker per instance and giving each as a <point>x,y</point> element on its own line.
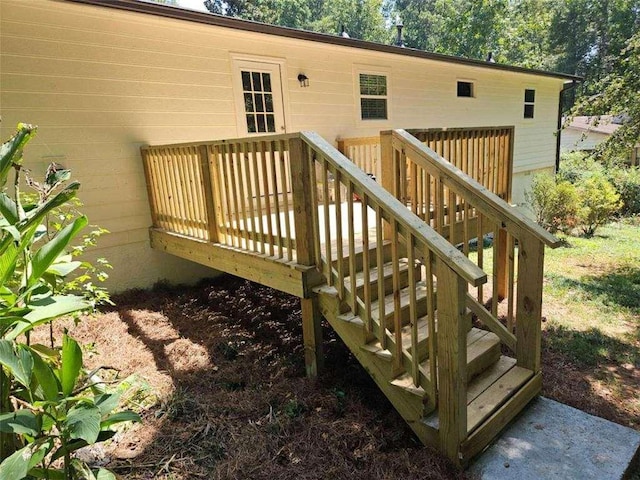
<point>258,101</point>
<point>529,100</point>
<point>465,89</point>
<point>373,96</point>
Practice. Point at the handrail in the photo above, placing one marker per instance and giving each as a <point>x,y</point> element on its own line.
<point>473,189</point>
<point>450,255</point>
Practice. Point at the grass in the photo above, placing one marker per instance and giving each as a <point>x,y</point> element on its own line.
<point>592,296</point>
<point>591,322</point>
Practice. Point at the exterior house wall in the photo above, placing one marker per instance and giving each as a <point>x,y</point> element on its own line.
<point>574,139</point>
<point>102,82</point>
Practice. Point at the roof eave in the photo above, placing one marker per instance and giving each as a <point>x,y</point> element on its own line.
<point>247,25</point>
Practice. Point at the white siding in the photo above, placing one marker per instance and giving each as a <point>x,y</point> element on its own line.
<point>101,82</point>
<point>573,139</point>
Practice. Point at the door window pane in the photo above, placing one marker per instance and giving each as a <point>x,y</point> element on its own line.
<point>258,102</point>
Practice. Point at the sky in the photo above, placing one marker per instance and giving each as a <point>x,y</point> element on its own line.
<point>193,5</point>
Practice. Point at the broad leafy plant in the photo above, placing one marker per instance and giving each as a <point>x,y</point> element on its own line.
<point>49,405</point>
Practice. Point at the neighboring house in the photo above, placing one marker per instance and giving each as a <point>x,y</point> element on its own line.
<point>585,133</point>
<point>101,78</point>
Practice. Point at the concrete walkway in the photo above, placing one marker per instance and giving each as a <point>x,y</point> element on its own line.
<point>550,440</point>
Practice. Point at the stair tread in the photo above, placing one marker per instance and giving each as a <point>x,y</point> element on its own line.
<point>387,271</point>
<point>478,342</point>
<point>423,332</point>
<point>488,391</point>
<point>494,396</point>
<point>421,296</point>
<point>358,249</point>
<point>405,381</point>
<point>375,347</point>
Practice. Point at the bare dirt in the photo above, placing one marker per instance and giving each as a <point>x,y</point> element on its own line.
<point>227,397</point>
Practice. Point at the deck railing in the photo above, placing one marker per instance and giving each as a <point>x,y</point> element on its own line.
<point>484,153</point>
<point>236,193</point>
<point>465,212</point>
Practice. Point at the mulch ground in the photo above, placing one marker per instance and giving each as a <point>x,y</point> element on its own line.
<point>229,399</point>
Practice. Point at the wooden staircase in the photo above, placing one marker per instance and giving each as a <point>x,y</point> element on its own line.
<point>491,378</point>
<point>388,265</point>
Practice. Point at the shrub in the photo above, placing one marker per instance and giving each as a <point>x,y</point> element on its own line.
<point>555,204</point>
<point>599,201</point>
<point>576,166</point>
<point>49,406</point>
<point>627,183</point>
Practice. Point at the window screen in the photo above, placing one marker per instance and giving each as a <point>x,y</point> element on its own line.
<point>465,89</point>
<point>373,97</point>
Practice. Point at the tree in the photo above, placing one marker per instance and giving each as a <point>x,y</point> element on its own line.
<point>618,95</point>
<point>362,19</point>
<point>453,27</point>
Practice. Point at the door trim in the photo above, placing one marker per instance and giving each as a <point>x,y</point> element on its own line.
<point>237,62</point>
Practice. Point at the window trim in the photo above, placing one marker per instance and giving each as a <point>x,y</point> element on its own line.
<point>371,70</point>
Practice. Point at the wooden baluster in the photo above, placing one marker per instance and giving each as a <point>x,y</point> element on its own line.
<point>352,248</point>
<point>480,251</point>
<point>366,269</point>
<point>431,320</point>
<point>243,160</point>
<point>225,204</point>
<point>197,185</point>
<point>327,222</point>
<point>277,190</point>
<point>499,266</point>
<point>397,313</point>
<point>413,312</point>
<point>339,235</point>
<point>238,202</point>
<point>316,203</point>
<point>256,154</point>
<point>511,282</point>
<point>249,153</point>
<point>267,196</point>
<point>285,193</point>
<point>380,228</point>
<point>192,194</point>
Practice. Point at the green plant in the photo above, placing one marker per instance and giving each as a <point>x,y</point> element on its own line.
<point>48,407</point>
<point>59,410</point>
<point>599,201</point>
<point>555,205</point>
<point>627,183</point>
<point>575,165</point>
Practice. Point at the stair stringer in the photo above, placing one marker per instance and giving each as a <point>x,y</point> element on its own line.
<point>408,405</point>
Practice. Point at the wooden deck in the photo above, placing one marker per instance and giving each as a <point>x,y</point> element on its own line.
<point>387,264</point>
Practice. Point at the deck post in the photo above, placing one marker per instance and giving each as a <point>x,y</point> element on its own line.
<point>207,181</point>
<point>452,360</point>
<point>146,161</point>
<point>529,302</point>
<point>306,254</point>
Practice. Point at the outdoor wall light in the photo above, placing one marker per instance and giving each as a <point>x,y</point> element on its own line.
<point>303,79</point>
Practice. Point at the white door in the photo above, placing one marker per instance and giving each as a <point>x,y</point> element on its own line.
<point>258,88</point>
